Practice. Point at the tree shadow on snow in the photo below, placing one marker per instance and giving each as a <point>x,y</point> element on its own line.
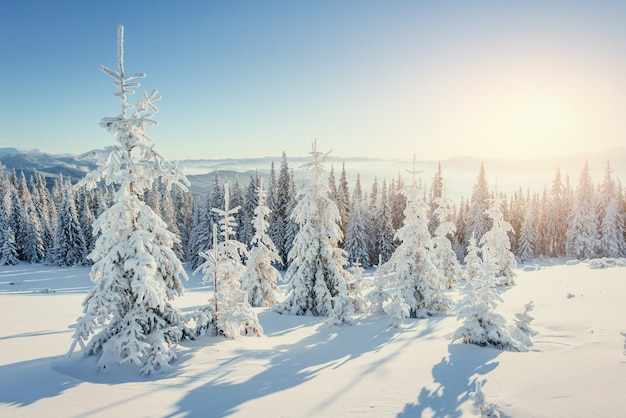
<point>27,382</point>
<point>285,366</point>
<point>455,376</point>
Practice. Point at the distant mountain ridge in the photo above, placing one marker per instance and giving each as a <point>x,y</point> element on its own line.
<point>459,172</point>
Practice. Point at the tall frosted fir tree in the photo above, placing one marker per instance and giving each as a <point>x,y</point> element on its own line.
<point>228,312</point>
<point>582,229</point>
<point>495,244</point>
<point>136,272</point>
<point>477,221</point>
<point>420,284</point>
<point>261,276</point>
<point>318,278</point>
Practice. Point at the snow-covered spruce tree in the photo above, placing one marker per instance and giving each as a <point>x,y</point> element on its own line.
<point>443,256</point>
<point>472,261</point>
<point>69,241</point>
<point>318,278</point>
<point>383,227</point>
<point>358,287</point>
<point>8,248</point>
<point>437,192</point>
<point>527,236</point>
<point>246,231</point>
<point>481,324</point>
<point>420,285</point>
<point>477,221</point>
<point>495,243</point>
<point>261,276</point>
<point>356,242</point>
<point>582,228</point>
<point>136,272</point>
<point>522,330</point>
<point>229,313</point>
<point>378,295</point>
<point>610,217</point>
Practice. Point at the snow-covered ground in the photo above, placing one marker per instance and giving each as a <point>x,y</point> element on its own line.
<point>301,367</point>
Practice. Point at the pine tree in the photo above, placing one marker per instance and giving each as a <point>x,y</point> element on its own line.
<point>69,242</point>
<point>610,217</point>
<point>481,324</point>
<point>477,222</point>
<point>527,236</point>
<point>246,230</point>
<point>135,270</point>
<point>436,193</point>
<point>358,288</point>
<point>582,230</point>
<point>356,242</point>
<point>184,202</point>
<point>343,202</point>
<point>495,245</point>
<point>8,249</point>
<point>229,312</point>
<point>261,276</point>
<point>379,295</point>
<point>318,279</point>
<point>443,256</point>
<point>202,230</point>
<point>556,218</point>
<point>383,227</point>
<point>419,283</point>
<point>472,261</point>
<point>397,201</point>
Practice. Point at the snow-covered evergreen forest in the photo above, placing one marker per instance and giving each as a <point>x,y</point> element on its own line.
<point>581,219</point>
<point>427,256</point>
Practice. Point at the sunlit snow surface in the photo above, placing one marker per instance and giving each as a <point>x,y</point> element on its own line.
<point>300,368</point>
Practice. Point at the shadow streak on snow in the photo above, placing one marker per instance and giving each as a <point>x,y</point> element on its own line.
<point>286,366</point>
<point>454,374</point>
<point>29,381</point>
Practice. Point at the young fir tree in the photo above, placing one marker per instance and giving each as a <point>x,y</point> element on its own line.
<point>136,272</point>
<point>357,237</point>
<point>436,193</point>
<point>383,227</point>
<point>282,212</point>
<point>8,248</point>
<point>522,330</point>
<point>343,201</point>
<point>420,285</point>
<point>261,276</point>
<point>495,243</point>
<point>582,230</point>
<point>477,221</point>
<point>527,236</point>
<point>610,217</point>
<point>69,243</point>
<point>472,261</point>
<point>556,218</point>
<point>379,295</point>
<point>443,255</point>
<point>482,325</point>
<point>318,278</point>
<point>246,231</point>
<point>358,288</point>
<point>229,313</point>
<point>201,231</point>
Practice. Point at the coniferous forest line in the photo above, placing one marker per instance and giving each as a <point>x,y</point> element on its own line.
<point>584,220</point>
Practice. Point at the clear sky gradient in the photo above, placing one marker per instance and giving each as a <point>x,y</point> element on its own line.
<point>366,78</point>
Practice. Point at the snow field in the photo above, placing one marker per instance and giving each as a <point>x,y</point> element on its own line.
<point>303,368</point>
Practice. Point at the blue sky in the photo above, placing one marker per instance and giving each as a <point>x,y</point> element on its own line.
<point>366,78</point>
